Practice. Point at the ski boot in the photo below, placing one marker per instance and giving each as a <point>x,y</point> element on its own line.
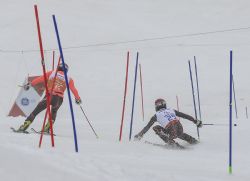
<point>47,127</point>
<point>24,126</point>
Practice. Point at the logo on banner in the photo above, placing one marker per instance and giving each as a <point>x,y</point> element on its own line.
<point>25,101</point>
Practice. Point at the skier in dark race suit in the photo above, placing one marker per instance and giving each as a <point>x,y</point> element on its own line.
<point>170,127</point>
<point>56,92</point>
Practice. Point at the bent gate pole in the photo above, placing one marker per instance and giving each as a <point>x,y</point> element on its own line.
<point>67,83</point>
<point>133,104</point>
<point>44,75</point>
<point>195,111</point>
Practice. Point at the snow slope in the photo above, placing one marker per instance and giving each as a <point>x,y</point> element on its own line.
<point>99,74</point>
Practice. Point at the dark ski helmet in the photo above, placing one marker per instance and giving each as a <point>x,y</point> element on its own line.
<point>160,104</point>
<point>61,68</point>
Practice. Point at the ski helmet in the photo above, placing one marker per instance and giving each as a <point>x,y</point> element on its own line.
<point>160,104</point>
<point>61,68</point>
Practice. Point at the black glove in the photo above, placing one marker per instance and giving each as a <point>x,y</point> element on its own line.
<point>78,101</point>
<point>26,86</point>
<point>199,123</point>
<point>137,137</point>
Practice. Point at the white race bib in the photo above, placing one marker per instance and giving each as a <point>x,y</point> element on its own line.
<point>164,116</point>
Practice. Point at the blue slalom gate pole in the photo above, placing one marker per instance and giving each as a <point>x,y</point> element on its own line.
<point>133,104</point>
<point>195,111</point>
<point>197,85</point>
<point>67,83</point>
<point>235,104</point>
<point>230,111</point>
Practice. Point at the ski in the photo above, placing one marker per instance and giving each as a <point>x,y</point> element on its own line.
<point>17,131</point>
<point>40,132</point>
<point>166,146</point>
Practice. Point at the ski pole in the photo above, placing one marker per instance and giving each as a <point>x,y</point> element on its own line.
<point>89,122</point>
<point>218,124</point>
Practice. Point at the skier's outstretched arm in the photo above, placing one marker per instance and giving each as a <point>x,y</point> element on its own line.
<point>186,116</point>
<point>40,79</point>
<point>75,92</point>
<point>146,128</point>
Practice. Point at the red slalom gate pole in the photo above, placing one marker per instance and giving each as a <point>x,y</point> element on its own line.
<point>142,104</point>
<point>124,98</point>
<point>46,114</point>
<point>44,74</point>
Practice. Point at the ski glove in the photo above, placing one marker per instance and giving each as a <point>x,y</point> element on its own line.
<point>137,137</point>
<point>199,123</point>
<point>78,101</point>
<point>26,86</point>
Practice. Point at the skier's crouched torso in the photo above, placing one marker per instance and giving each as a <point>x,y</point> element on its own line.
<point>169,123</point>
<point>166,117</point>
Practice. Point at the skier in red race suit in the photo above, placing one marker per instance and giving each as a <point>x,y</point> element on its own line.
<point>56,95</point>
<point>170,127</point>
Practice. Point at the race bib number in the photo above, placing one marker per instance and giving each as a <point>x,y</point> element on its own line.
<point>165,116</point>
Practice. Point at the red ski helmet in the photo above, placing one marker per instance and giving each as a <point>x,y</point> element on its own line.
<point>160,104</point>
